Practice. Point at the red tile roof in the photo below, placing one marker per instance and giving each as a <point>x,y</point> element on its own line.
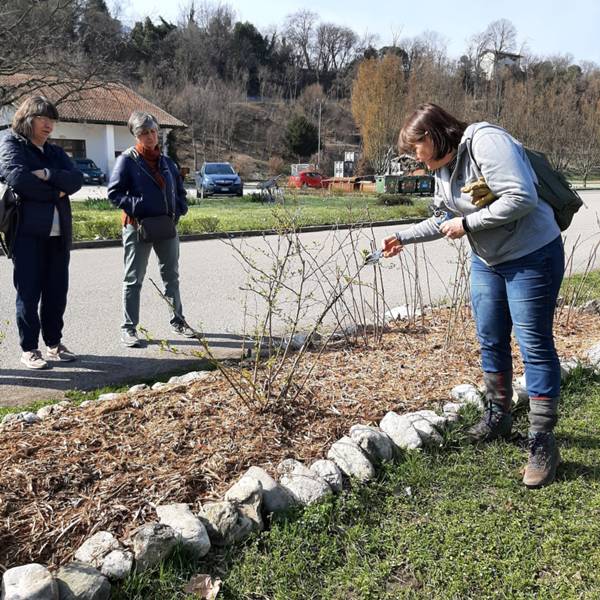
<point>110,103</point>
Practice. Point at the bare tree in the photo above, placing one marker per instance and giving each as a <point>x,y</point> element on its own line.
<point>41,50</point>
<point>299,30</point>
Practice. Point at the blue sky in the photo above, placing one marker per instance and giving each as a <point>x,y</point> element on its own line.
<point>547,27</point>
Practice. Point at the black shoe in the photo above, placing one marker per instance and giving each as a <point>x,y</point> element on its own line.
<point>494,424</point>
<point>130,339</point>
<point>544,459</point>
<point>184,330</point>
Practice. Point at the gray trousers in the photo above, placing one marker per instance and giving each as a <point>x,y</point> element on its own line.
<point>136,256</point>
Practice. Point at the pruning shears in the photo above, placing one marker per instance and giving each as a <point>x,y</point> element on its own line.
<point>374,257</point>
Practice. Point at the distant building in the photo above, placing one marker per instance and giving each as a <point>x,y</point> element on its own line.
<point>494,61</point>
<point>93,122</point>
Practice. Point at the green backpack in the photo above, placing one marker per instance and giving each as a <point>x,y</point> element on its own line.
<point>552,185</point>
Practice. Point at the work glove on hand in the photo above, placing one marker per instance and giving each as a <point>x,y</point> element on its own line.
<point>480,193</point>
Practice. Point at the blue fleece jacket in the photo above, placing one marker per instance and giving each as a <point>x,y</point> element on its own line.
<point>133,188</point>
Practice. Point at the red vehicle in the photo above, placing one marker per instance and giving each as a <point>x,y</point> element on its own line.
<point>306,179</point>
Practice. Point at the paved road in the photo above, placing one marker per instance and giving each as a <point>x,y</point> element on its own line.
<point>211,278</point>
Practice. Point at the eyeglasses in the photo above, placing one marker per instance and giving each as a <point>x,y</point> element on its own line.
<point>46,120</point>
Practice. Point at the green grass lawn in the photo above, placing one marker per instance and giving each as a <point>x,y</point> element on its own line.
<point>454,523</point>
<point>579,288</point>
<point>92,218</point>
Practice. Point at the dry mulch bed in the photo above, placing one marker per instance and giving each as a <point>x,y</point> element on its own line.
<point>106,466</point>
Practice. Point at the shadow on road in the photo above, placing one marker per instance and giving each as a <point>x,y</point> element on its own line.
<point>20,386</point>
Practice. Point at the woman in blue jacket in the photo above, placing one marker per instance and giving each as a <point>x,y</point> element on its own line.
<point>486,186</point>
<point>43,176</point>
<point>145,183</point>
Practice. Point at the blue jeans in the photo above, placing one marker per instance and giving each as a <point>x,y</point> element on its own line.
<point>136,255</point>
<point>520,294</point>
<point>41,278</point>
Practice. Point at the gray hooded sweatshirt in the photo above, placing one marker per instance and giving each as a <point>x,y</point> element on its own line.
<point>515,224</point>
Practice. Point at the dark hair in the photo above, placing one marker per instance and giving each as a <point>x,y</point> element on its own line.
<point>430,119</point>
<point>34,106</point>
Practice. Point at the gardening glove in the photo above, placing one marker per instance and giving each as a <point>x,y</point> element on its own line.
<point>480,193</point>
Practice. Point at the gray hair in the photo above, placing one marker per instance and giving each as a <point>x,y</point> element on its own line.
<point>34,106</point>
<point>140,120</point>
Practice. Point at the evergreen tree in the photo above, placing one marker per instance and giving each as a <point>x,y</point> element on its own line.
<point>301,137</point>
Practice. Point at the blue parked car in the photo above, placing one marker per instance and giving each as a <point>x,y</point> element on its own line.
<point>218,178</point>
<point>91,173</point>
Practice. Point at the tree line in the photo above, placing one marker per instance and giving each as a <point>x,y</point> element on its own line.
<point>201,67</point>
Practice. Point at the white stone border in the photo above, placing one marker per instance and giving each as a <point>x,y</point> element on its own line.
<point>102,558</point>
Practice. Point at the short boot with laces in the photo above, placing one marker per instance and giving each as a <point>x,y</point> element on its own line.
<point>496,421</point>
<point>544,456</point>
<point>544,459</point>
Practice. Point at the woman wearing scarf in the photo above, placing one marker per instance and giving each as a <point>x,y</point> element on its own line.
<point>147,186</point>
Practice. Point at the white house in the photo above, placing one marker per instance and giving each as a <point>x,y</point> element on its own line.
<point>493,61</point>
<point>93,122</point>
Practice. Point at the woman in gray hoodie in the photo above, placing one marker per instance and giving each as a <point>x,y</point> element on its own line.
<point>485,189</point>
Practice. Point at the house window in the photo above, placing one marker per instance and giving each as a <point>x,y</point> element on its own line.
<point>74,148</point>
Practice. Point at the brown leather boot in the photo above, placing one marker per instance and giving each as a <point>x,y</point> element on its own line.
<point>496,421</point>
<point>544,458</point>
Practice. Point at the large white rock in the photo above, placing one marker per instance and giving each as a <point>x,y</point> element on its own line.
<point>29,582</point>
<point>401,430</point>
<point>117,564</point>
<point>593,355</point>
<point>566,366</point>
<point>152,543</point>
<point>139,387</point>
<point>224,523</point>
<point>591,307</point>
<point>11,418</point>
<point>430,416</point>
<point>275,497</point>
<point>376,444</point>
<point>30,417</point>
<point>404,311</point>
<point>189,529</point>
<point>159,385</point>
<point>107,397</point>
<point>351,460</point>
<point>330,472</point>
<point>247,494</point>
<point>46,411</point>
<point>78,581</point>
<point>190,377</point>
<point>452,409</point>
<point>427,431</point>
<point>94,549</point>
<point>302,484</point>
<point>465,392</point>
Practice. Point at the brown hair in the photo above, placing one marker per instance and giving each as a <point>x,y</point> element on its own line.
<point>430,119</point>
<point>34,106</point>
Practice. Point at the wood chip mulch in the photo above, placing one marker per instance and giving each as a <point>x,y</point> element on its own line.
<point>105,467</point>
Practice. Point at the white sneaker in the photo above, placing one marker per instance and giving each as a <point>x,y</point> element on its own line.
<point>33,360</point>
<point>61,353</point>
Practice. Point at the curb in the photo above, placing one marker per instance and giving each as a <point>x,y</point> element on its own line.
<point>195,237</point>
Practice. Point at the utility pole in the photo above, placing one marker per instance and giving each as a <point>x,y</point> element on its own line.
<point>319,138</point>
